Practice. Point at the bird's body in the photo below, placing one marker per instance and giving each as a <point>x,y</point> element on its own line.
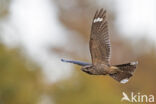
<point>101,69</point>
<point>100,49</point>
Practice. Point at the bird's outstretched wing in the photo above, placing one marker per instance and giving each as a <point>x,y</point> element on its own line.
<point>99,39</point>
<point>76,62</point>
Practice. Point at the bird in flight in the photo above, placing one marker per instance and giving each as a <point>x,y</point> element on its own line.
<point>100,50</point>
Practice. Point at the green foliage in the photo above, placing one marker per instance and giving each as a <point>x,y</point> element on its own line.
<point>18,83</point>
<point>85,89</point>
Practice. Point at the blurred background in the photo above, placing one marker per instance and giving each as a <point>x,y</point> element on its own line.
<point>36,34</point>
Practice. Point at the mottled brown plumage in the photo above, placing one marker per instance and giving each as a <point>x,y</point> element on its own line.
<point>99,39</point>
<point>100,50</point>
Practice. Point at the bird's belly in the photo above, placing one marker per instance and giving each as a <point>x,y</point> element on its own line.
<point>102,70</point>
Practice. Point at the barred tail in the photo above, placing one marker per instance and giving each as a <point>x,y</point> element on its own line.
<point>125,73</point>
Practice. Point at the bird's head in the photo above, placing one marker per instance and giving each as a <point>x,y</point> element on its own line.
<point>88,69</point>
